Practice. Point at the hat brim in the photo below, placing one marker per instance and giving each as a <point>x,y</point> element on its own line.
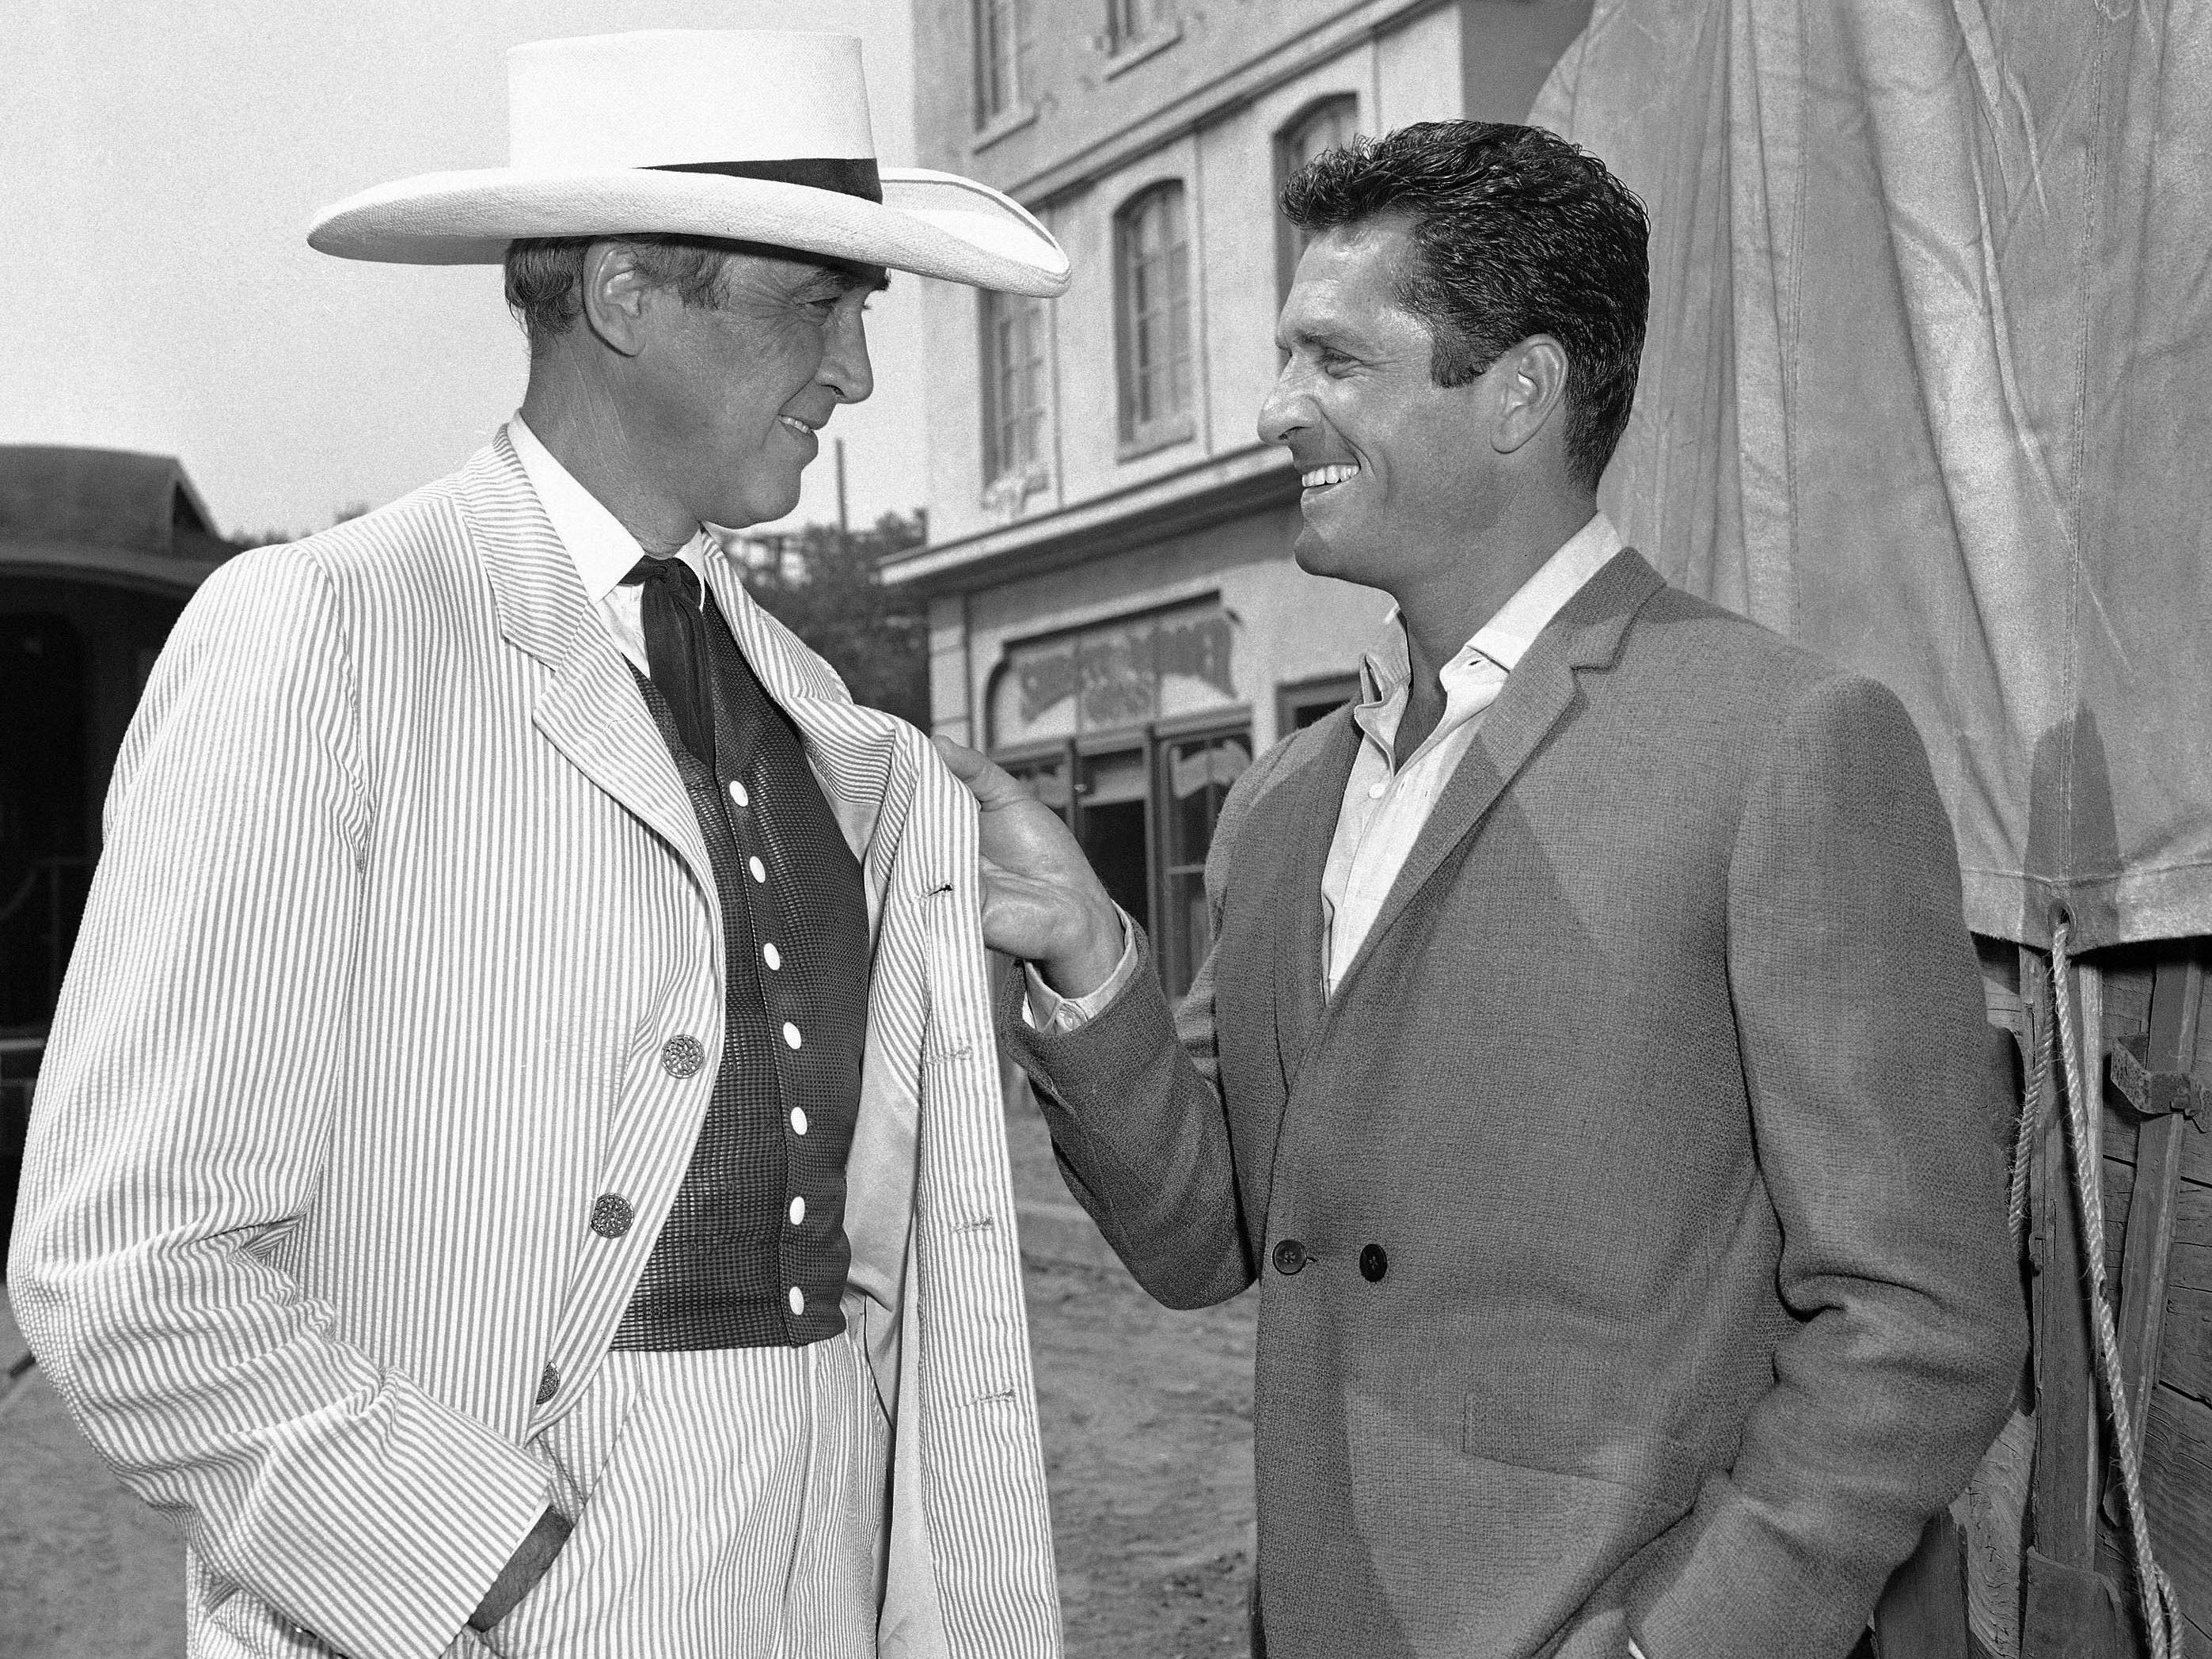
<point>933,224</point>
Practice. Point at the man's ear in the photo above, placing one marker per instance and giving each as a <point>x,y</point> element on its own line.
<point>615,295</point>
<point>1531,390</point>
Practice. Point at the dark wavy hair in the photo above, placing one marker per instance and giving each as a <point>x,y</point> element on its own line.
<point>1515,232</point>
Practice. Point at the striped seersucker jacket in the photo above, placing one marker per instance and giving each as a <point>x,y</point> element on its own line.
<point>401,898</point>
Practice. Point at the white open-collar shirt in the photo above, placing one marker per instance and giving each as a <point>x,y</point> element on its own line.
<point>1386,805</point>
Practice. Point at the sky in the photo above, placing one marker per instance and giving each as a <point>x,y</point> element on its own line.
<point>159,161</point>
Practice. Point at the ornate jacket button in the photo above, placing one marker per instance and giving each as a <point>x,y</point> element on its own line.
<point>548,1385</point>
<point>682,1056</point>
<point>1290,1255</point>
<point>610,1215</point>
<point>1374,1262</point>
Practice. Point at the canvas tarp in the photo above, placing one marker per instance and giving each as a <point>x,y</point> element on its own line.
<point>1928,387</point>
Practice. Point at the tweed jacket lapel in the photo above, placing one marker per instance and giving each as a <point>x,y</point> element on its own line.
<point>1585,636</point>
<point>1312,802</point>
<point>589,708</point>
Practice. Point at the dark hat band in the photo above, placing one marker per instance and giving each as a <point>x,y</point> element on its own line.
<point>847,175</point>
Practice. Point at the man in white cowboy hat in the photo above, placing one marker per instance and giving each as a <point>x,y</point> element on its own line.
<point>519,1163</point>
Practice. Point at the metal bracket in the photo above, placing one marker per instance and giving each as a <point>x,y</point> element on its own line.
<point>2154,1094</point>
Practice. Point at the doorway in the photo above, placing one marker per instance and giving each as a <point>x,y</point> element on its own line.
<point>1113,824</point>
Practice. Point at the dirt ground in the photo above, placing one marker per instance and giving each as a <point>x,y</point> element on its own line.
<point>1146,1418</point>
<point>1147,1430</point>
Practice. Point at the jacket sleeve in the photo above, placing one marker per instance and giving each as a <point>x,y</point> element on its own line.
<point>1134,1102</point>
<point>177,1135</point>
<point>1860,1019</point>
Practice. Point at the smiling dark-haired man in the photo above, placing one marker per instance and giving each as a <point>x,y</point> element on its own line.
<point>1589,1062</point>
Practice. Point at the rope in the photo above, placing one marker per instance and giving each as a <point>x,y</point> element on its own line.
<point>2031,1120</point>
<point>2161,1607</point>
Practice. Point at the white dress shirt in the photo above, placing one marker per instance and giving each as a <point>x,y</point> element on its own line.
<point>1386,805</point>
<point>604,552</point>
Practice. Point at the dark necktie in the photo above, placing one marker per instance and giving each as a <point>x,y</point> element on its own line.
<point>676,649</point>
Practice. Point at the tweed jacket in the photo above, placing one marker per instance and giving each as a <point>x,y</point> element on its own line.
<point>401,899</point>
<point>1629,1222</point>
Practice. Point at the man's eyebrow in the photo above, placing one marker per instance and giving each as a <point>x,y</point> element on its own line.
<point>1322,336</point>
<point>872,279</point>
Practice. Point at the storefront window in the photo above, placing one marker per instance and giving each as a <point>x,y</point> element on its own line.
<point>1297,706</point>
<point>1113,821</point>
<point>1196,775</point>
<point>1047,778</point>
<point>1132,731</point>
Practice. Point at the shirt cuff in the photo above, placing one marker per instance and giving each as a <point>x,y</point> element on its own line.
<point>1055,1015</point>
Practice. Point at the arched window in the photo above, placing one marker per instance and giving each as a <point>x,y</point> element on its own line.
<point>1329,123</point>
<point>1151,272</point>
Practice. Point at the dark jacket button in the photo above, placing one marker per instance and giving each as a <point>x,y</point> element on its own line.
<point>611,1216</point>
<point>1373,1264</point>
<point>548,1385</point>
<point>1290,1255</point>
<point>682,1056</point>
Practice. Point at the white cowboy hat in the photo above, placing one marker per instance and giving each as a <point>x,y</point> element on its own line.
<point>755,135</point>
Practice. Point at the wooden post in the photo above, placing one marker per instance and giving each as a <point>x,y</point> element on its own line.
<point>2069,1611</point>
<point>2177,995</point>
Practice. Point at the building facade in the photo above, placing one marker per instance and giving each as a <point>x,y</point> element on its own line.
<point>1114,612</point>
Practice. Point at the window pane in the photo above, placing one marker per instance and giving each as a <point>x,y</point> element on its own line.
<point>1197,774</point>
<point>1155,284</point>
<point>1331,126</point>
<point>1047,779</point>
<point>1014,383</point>
<point>1132,19</point>
<point>1110,827</point>
<point>1000,27</point>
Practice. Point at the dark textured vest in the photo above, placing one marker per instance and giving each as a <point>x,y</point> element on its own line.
<point>760,1214</point>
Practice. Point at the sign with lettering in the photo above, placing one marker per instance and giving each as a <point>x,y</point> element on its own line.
<point>1120,675</point>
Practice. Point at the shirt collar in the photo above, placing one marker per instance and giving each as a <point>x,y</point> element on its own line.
<point>601,549</point>
<point>1506,637</point>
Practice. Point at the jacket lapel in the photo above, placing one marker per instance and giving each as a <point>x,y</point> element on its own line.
<point>1586,634</point>
<point>588,707</point>
<point>1312,801</point>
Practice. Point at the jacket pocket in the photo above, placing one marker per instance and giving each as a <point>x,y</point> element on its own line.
<point>1581,1420</point>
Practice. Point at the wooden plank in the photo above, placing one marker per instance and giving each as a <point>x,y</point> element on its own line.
<point>2177,988</point>
<point>2067,1481</point>
<point>2192,1265</point>
<point>2119,1203</point>
<point>1923,1612</point>
<point>2070,1612</point>
<point>2192,1214</point>
<point>2177,1493</point>
<point>2185,1355</point>
<point>2119,1138</point>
